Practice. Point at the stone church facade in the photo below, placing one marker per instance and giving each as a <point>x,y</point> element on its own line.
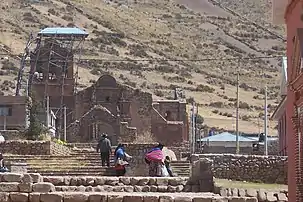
<point>123,113</point>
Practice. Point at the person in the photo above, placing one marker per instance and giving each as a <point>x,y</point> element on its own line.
<point>121,158</point>
<point>155,160</point>
<point>3,168</point>
<point>104,146</point>
<point>167,165</point>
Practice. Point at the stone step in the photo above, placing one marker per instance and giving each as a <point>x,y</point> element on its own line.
<point>124,188</point>
<point>120,196</point>
<point>75,173</point>
<point>70,167</point>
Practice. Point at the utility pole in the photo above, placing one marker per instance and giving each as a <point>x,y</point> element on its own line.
<point>237,112</point>
<point>47,112</point>
<point>64,123</point>
<point>265,121</point>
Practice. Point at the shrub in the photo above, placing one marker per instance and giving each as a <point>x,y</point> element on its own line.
<point>205,88</point>
<point>199,119</point>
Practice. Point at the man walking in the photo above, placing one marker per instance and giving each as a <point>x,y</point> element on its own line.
<point>104,146</point>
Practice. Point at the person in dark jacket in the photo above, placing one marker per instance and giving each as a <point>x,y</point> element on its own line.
<point>104,146</point>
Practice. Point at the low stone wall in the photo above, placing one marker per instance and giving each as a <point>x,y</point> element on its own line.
<point>26,147</point>
<point>266,169</point>
<point>261,195</point>
<point>121,184</point>
<point>116,197</point>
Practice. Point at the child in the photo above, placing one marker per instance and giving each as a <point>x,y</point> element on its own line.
<point>167,165</point>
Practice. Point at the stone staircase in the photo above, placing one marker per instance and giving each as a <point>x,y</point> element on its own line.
<point>83,161</point>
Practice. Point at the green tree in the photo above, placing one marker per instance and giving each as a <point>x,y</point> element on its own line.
<point>36,127</point>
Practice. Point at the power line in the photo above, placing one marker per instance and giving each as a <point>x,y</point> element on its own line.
<point>167,60</point>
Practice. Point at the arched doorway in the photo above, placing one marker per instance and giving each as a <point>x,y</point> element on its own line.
<point>99,127</point>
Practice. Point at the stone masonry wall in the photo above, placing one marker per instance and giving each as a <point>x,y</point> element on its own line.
<point>34,188</point>
<point>26,147</point>
<point>267,169</point>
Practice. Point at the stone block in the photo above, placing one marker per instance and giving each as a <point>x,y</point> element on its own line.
<point>187,188</point>
<point>183,199</point>
<point>26,187</point>
<point>112,181</point>
<point>251,193</point>
<point>237,199</point>
<point>150,198</point>
<point>153,188</point>
<point>100,181</point>
<point>34,197</point>
<point>26,178</point>
<point>171,189</point>
<point>125,180</point>
<point>223,191</point>
<point>4,197</point>
<point>19,197</point>
<point>80,188</point>
<point>51,197</point>
<point>90,181</point>
<point>114,198</point>
<point>108,188</point>
<point>67,181</point>
<point>36,177</point>
<point>162,181</point>
<point>134,181</point>
<point>128,188</point>
<point>219,199</point>
<point>251,199</point>
<point>133,199</point>
<point>11,177</point>
<point>9,187</point>
<point>282,197</point>
<point>270,197</point>
<point>166,199</point>
<point>143,181</point>
<point>234,192</point>
<point>97,198</point>
<point>162,189</point>
<point>202,199</point>
<point>76,197</point>
<point>98,189</point>
<point>177,181</point>
<point>152,181</point>
<point>261,195</point>
<point>55,180</point>
<point>118,188</point>
<point>89,189</point>
<point>242,192</point>
<point>74,181</point>
<point>43,187</point>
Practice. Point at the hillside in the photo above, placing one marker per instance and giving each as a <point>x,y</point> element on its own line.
<point>157,45</point>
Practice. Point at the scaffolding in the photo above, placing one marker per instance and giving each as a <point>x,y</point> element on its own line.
<point>53,75</point>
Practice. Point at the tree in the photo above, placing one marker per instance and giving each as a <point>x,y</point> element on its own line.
<point>199,119</point>
<point>36,127</point>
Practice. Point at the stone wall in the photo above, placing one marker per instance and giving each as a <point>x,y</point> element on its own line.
<point>26,147</point>
<point>261,195</point>
<point>267,169</point>
<point>140,108</point>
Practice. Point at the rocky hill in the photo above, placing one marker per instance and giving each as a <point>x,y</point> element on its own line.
<point>158,45</point>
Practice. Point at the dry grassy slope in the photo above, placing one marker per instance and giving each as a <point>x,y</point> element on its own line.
<point>141,30</point>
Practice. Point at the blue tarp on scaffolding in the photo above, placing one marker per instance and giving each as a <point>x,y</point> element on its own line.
<point>52,31</point>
